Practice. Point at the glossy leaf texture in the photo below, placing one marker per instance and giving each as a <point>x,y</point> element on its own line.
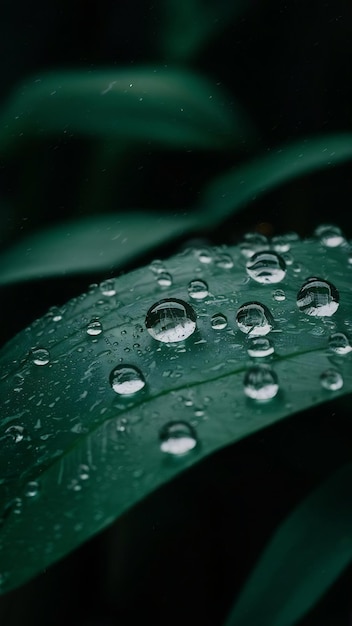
<point>239,186</point>
<point>173,108</point>
<point>88,392</point>
<point>305,556</point>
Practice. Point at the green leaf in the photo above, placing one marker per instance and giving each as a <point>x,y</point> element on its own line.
<point>94,453</point>
<point>233,190</point>
<point>89,244</point>
<point>306,555</point>
<point>170,107</point>
<point>188,25</point>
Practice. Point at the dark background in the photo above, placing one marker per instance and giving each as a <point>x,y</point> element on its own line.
<point>181,556</point>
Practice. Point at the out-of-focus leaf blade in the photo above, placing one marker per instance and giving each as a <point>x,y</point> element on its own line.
<point>94,453</point>
<point>231,191</point>
<point>169,107</point>
<point>89,244</point>
<point>305,556</point>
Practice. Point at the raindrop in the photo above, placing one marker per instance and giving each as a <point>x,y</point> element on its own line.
<point>164,280</point>
<point>107,288</point>
<point>157,266</point>
<point>279,295</point>
<point>204,256</point>
<point>55,314</point>
<point>94,327</point>
<point>171,320</point>
<point>218,321</point>
<point>331,380</point>
<point>281,243</point>
<point>224,261</point>
<point>40,356</point>
<point>32,489</point>
<point>339,343</point>
<point>254,319</point>
<point>261,383</point>
<point>260,347</point>
<point>198,289</point>
<point>126,380</point>
<point>266,267</point>
<point>318,297</point>
<point>329,235</point>
<point>15,433</point>
<point>252,243</point>
<point>83,471</point>
<point>177,438</point>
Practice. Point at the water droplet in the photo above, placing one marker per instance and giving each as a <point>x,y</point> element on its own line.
<point>331,380</point>
<point>252,243</point>
<point>224,260</point>
<point>329,235</point>
<point>126,380</point>
<point>171,320</point>
<point>55,314</point>
<point>40,356</point>
<point>94,327</point>
<point>261,383</point>
<point>218,321</point>
<point>157,266</point>
<point>266,267</point>
<point>279,295</point>
<point>16,433</point>
<point>164,280</point>
<point>339,343</point>
<point>107,288</point>
<point>254,319</point>
<point>32,489</point>
<point>198,289</point>
<point>318,297</point>
<point>281,243</point>
<point>177,438</point>
<point>83,471</point>
<point>204,256</point>
<point>260,347</point>
<point>17,506</point>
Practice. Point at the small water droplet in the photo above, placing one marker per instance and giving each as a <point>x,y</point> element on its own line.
<point>171,320</point>
<point>252,243</point>
<point>218,321</point>
<point>260,347</point>
<point>32,489</point>
<point>224,261</point>
<point>318,297</point>
<point>126,380</point>
<point>331,380</point>
<point>198,289</point>
<point>83,471</point>
<point>157,266</point>
<point>177,438</point>
<point>279,295</point>
<point>329,235</point>
<point>94,327</point>
<point>266,267</point>
<point>261,383</point>
<point>40,356</point>
<point>281,243</point>
<point>339,343</point>
<point>55,314</point>
<point>254,319</point>
<point>17,506</point>
<point>107,287</point>
<point>204,256</point>
<point>164,280</point>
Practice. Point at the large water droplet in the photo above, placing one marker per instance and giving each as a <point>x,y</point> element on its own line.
<point>331,380</point>
<point>107,288</point>
<point>218,321</point>
<point>339,343</point>
<point>171,320</point>
<point>198,289</point>
<point>329,235</point>
<point>266,267</point>
<point>254,319</point>
<point>318,297</point>
<point>126,380</point>
<point>260,347</point>
<point>94,328</point>
<point>32,489</point>
<point>261,383</point>
<point>177,438</point>
<point>40,356</point>
<point>15,432</point>
<point>164,280</point>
